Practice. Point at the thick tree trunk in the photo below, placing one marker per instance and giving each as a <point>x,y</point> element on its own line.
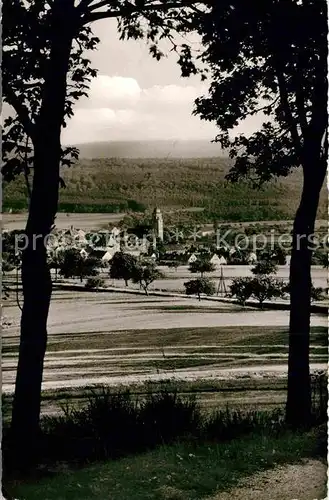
<point>36,276</point>
<point>298,410</point>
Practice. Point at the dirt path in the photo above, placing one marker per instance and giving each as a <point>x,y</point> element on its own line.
<point>306,481</point>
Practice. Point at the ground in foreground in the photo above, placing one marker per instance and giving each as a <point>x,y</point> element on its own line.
<point>197,471</point>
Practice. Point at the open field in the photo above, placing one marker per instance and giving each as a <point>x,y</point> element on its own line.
<point>118,185</point>
<point>222,352</point>
<point>96,221</point>
<point>88,222</point>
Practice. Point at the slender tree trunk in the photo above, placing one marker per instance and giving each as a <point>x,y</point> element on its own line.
<point>36,278</point>
<point>298,410</point>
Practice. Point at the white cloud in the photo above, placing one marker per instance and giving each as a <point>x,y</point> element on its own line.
<point>117,108</point>
<point>112,91</point>
<point>171,94</point>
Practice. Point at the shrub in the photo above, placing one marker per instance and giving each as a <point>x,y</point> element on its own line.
<point>166,416</point>
<point>228,424</point>
<point>95,282</point>
<point>317,293</point>
<point>264,267</point>
<point>319,392</point>
<point>115,423</point>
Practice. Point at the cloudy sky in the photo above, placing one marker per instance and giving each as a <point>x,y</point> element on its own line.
<point>136,97</point>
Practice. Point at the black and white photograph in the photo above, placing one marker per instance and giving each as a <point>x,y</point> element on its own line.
<point>164,246</point>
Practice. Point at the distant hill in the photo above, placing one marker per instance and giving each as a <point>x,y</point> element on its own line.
<point>124,184</point>
<point>150,149</point>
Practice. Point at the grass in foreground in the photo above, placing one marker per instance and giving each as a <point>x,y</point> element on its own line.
<point>182,471</point>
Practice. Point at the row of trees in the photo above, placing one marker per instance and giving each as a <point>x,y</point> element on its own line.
<point>126,267</point>
<point>262,286</point>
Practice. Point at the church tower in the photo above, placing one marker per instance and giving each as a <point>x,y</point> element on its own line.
<point>158,224</point>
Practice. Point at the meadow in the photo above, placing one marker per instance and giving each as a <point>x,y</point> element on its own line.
<point>219,352</point>
<point>194,188</point>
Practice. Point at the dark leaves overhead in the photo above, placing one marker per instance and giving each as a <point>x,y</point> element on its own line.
<point>268,57</point>
<point>26,50</point>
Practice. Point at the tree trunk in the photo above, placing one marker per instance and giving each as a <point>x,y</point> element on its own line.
<point>36,278</point>
<point>298,409</point>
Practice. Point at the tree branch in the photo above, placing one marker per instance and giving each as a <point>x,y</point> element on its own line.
<point>26,173</point>
<point>20,109</point>
<point>319,119</point>
<point>130,9</point>
<point>288,114</point>
<point>262,108</point>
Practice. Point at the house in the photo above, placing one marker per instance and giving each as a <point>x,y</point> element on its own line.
<point>192,258</point>
<point>83,253</point>
<point>80,238</point>
<point>108,256</point>
<point>215,260</point>
<point>115,232</point>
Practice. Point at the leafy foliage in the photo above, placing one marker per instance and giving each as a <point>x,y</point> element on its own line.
<point>241,288</point>
<point>122,266</point>
<point>144,273</point>
<point>112,184</point>
<point>317,293</point>
<point>27,45</point>
<point>73,264</point>
<point>201,266</point>
<point>261,287</point>
<point>264,267</point>
<point>200,286</point>
<point>95,282</point>
<point>28,39</point>
<point>253,70</point>
<point>173,264</point>
<point>267,288</point>
<point>11,250</point>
